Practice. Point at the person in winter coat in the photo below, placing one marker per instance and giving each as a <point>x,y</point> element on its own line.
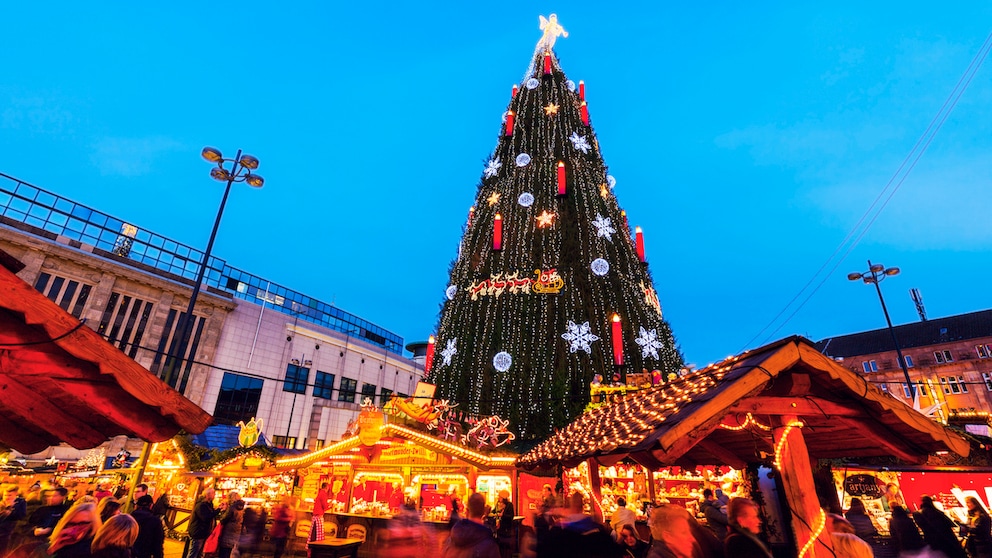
<point>231,531</point>
<point>201,523</point>
<point>151,532</point>
<point>938,529</point>
<point>73,534</point>
<point>115,538</point>
<point>716,520</point>
<point>979,530</point>
<point>905,535</point>
<point>578,536</point>
<point>13,508</point>
<point>470,538</point>
<point>857,515</point>
<point>745,525</point>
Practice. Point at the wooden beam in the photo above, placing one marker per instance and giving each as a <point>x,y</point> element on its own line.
<point>801,406</point>
<point>799,490</point>
<point>24,405</point>
<point>871,431</point>
<point>718,451</point>
<point>25,438</point>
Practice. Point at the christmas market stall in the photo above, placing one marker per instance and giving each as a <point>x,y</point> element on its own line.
<point>782,406</point>
<point>62,382</point>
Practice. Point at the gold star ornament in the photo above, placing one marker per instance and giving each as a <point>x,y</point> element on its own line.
<point>493,199</point>
<point>603,191</point>
<point>551,109</point>
<point>546,219</point>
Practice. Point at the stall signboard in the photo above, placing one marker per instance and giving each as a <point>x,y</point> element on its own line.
<point>370,426</point>
<point>864,485</point>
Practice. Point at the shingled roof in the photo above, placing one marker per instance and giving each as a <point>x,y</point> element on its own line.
<point>973,325</point>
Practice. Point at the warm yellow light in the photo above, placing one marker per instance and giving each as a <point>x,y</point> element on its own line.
<point>616,317</point>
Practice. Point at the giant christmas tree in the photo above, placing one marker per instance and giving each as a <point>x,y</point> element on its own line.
<point>549,287</point>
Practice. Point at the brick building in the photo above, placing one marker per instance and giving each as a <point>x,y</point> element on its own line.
<point>949,359</point>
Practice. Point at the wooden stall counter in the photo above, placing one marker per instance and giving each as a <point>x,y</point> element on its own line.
<point>334,548</point>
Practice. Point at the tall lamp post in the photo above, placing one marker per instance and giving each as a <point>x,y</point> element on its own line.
<point>876,274</point>
<point>240,171</point>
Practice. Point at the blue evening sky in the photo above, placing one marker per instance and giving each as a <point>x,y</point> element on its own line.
<point>747,139</point>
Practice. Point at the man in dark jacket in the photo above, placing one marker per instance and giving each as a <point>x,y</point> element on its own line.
<point>938,529</point>
<point>716,520</point>
<point>579,536</point>
<point>151,534</point>
<point>470,538</point>
<point>44,519</point>
<point>201,523</point>
<point>745,525</point>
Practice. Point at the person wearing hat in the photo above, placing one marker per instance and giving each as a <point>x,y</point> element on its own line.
<point>151,532</point>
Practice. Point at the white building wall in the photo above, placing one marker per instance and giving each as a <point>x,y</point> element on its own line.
<point>262,348</point>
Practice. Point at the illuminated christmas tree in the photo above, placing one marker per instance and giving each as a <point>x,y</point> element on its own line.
<point>550,287</point>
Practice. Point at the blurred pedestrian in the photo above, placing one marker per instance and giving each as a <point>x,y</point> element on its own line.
<point>978,530</point>
<point>317,520</point>
<point>631,544</point>
<point>622,516</point>
<point>231,523</point>
<point>470,538</point>
<point>13,508</point>
<point>73,534</point>
<point>115,538</point>
<point>151,532</point>
<point>671,534</point>
<point>47,517</point>
<point>906,537</point>
<point>505,529</point>
<point>857,515</point>
<point>716,519</point>
<point>846,543</point>
<point>282,518</point>
<point>108,507</point>
<point>201,523</point>
<point>938,529</point>
<point>577,536</point>
<point>745,525</point>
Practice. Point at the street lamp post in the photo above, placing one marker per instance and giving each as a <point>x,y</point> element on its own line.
<point>241,167</point>
<point>877,273</point>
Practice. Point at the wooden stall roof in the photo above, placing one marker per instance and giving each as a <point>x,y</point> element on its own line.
<point>721,414</point>
<point>478,459</point>
<point>60,381</point>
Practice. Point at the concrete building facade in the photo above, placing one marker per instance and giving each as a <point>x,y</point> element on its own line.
<point>256,349</point>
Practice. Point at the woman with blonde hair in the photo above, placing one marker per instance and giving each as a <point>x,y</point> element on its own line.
<point>115,538</point>
<point>73,534</point>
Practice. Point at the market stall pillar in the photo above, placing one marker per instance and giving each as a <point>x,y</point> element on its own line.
<point>793,464</point>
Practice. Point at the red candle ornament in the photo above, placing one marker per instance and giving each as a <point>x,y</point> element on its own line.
<point>584,111</point>
<point>430,354</point>
<point>515,89</point>
<point>582,90</point>
<point>617,341</point>
<point>547,63</point>
<point>639,243</point>
<point>626,224</point>
<point>498,232</point>
<point>471,213</point>
<point>509,123</point>
<point>561,178</point>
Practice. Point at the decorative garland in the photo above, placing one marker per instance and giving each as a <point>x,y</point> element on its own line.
<point>199,458</point>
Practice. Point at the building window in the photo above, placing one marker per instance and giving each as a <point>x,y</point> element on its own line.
<point>347,391</point>
<point>921,390</point>
<point>983,351</point>
<point>296,378</point>
<point>964,385</point>
<point>238,399</point>
<point>323,385</point>
<point>284,441</point>
<point>884,387</point>
<point>988,380</point>
<point>368,391</point>
<point>950,384</point>
<point>909,361</point>
<point>943,357</point>
<point>869,366</point>
<point>386,393</point>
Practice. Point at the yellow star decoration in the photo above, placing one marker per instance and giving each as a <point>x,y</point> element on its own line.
<point>551,109</point>
<point>604,191</point>
<point>493,199</point>
<point>546,219</point>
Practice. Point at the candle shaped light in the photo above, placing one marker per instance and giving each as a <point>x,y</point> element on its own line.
<point>430,354</point>
<point>582,90</point>
<point>471,214</point>
<point>623,213</point>
<point>515,89</point>
<point>561,178</point>
<point>547,63</point>
<point>584,111</point>
<point>498,232</point>
<point>617,341</point>
<point>639,243</point>
<point>509,123</point>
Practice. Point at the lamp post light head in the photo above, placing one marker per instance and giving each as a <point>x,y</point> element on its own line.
<point>249,162</point>
<point>212,155</point>
<point>220,173</point>
<point>255,181</point>
<point>876,268</point>
<point>854,276</point>
<point>892,271</point>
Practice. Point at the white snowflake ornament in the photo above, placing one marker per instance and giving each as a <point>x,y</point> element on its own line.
<point>449,350</point>
<point>502,361</point>
<point>526,199</point>
<point>450,292</point>
<point>579,337</point>
<point>532,83</point>
<point>579,142</point>
<point>612,182</point>
<point>493,167</point>
<point>648,340</point>
<point>600,267</point>
<point>604,227</point>
<point>523,160</point>
<point>570,85</point>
